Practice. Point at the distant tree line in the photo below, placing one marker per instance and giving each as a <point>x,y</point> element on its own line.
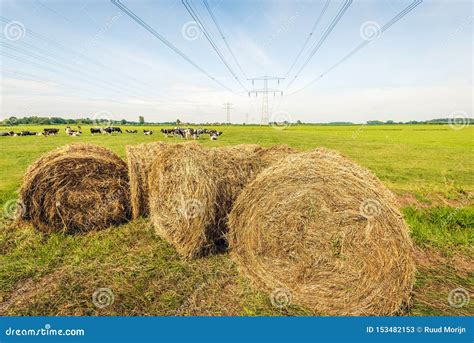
<point>34,120</point>
<point>12,121</point>
<point>441,121</point>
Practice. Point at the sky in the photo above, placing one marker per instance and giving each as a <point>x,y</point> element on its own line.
<point>88,58</point>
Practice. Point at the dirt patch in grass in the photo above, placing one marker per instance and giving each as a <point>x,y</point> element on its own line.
<point>459,199</point>
<point>432,259</point>
<point>26,291</point>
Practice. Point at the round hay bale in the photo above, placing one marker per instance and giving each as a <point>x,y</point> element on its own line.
<point>271,155</point>
<point>76,188</point>
<point>182,206</point>
<point>192,190</point>
<point>140,159</point>
<point>326,233</point>
<point>231,169</point>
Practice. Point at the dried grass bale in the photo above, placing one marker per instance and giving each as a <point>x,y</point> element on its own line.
<point>325,233</point>
<point>140,159</point>
<point>192,190</point>
<point>76,188</point>
<point>182,206</point>
<point>231,169</point>
<point>273,154</point>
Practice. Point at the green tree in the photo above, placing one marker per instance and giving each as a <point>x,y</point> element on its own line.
<point>141,120</point>
<point>178,122</point>
<point>44,121</point>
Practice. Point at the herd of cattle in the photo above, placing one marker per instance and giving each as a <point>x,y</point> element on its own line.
<point>191,133</point>
<point>186,133</point>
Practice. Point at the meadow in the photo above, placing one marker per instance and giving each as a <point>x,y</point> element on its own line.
<point>429,167</point>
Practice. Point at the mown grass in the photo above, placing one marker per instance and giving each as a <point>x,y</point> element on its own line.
<point>145,274</point>
<point>431,166</point>
<point>448,230</point>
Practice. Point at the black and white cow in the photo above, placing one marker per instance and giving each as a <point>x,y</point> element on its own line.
<point>95,130</point>
<point>49,132</point>
<point>112,129</point>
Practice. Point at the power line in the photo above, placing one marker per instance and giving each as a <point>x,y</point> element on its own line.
<point>25,76</point>
<point>385,27</point>
<point>332,25</point>
<point>45,52</point>
<point>147,27</point>
<point>315,25</point>
<point>209,38</point>
<point>35,78</point>
<point>59,14</point>
<point>211,13</point>
<point>74,53</point>
<point>81,74</point>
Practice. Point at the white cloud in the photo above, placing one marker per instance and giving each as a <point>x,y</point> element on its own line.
<point>9,85</point>
<point>398,103</point>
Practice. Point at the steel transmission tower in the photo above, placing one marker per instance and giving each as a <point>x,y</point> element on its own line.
<point>228,107</point>
<point>265,90</point>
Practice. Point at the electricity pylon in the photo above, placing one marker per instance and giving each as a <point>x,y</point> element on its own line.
<point>265,90</point>
<point>228,107</point>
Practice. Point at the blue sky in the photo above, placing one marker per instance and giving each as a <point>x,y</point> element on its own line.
<point>96,59</point>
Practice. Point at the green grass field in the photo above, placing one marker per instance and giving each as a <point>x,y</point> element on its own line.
<point>429,167</point>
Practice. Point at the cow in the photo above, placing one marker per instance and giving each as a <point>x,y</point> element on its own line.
<point>200,131</point>
<point>189,133</point>
<point>95,130</point>
<point>168,132</point>
<point>147,132</point>
<point>180,132</point>
<point>9,133</point>
<point>28,133</point>
<point>214,134</point>
<point>112,129</point>
<point>131,131</point>
<point>192,133</point>
<point>71,132</point>
<point>48,132</point>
